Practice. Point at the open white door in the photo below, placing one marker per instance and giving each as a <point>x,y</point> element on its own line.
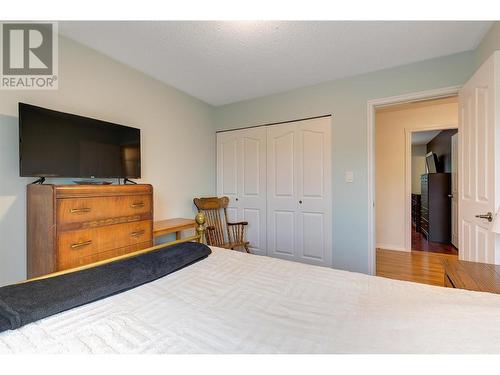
<point>479,163</point>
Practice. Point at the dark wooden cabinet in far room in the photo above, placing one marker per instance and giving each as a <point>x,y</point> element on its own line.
<point>436,206</point>
<point>415,211</point>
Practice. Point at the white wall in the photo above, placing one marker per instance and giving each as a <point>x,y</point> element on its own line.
<point>178,140</point>
<point>417,166</point>
<point>390,143</point>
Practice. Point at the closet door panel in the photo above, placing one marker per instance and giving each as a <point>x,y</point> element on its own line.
<point>284,164</point>
<point>281,191</point>
<point>252,177</point>
<point>232,213</point>
<point>284,233</point>
<point>251,157</point>
<point>312,246</point>
<point>227,165</point>
<point>313,155</point>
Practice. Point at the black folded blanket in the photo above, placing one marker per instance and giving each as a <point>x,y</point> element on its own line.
<point>25,303</point>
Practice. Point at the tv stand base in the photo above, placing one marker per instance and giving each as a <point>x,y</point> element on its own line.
<point>40,181</point>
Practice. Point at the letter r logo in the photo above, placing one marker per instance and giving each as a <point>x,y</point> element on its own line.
<point>27,49</point>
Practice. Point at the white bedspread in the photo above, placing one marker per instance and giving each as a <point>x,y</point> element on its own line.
<point>237,303</point>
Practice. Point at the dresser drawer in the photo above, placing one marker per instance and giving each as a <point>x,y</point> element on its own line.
<point>73,245</point>
<point>72,262</point>
<point>76,213</point>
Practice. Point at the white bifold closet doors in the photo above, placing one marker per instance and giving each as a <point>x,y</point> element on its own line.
<point>278,178</point>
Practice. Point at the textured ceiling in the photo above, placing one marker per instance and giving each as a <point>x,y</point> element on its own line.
<point>225,62</point>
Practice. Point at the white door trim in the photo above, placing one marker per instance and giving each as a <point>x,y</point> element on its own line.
<point>371,105</point>
<point>408,174</point>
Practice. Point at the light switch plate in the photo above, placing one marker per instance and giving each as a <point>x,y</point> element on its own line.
<point>349,177</point>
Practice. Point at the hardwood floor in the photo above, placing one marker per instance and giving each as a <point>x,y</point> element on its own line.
<point>420,243</point>
<point>418,266</point>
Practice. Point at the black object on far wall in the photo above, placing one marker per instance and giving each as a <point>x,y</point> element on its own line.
<point>436,206</point>
<point>57,144</point>
<point>431,161</point>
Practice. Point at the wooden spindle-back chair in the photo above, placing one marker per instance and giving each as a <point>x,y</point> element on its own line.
<point>220,231</point>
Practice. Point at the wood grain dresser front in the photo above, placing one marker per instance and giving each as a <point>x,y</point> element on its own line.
<point>73,225</point>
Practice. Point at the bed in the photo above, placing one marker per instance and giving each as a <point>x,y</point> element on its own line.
<point>232,302</point>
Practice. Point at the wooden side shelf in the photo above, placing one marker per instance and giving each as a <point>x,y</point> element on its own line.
<point>176,225</point>
<point>472,276</point>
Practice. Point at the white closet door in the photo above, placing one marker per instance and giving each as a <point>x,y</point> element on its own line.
<point>281,191</point>
<point>313,155</point>
<point>251,199</point>
<point>299,191</point>
<point>241,175</point>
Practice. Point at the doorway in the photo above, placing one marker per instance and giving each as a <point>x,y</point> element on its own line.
<point>433,188</point>
<point>479,181</point>
<point>399,261</point>
<point>424,127</point>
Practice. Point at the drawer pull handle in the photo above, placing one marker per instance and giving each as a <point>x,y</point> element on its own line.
<point>80,210</point>
<point>137,205</point>
<point>81,244</point>
<point>138,233</point>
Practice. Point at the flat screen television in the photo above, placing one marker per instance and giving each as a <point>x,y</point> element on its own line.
<point>57,144</point>
<point>432,162</point>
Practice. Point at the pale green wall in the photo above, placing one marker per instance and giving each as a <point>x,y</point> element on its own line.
<point>347,100</point>
<point>490,43</point>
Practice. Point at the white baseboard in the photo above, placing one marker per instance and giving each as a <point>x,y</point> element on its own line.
<point>390,247</point>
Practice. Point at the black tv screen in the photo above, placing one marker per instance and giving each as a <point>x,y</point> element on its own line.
<point>57,144</point>
<point>432,162</point>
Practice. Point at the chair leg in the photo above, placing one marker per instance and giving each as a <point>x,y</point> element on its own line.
<point>247,249</point>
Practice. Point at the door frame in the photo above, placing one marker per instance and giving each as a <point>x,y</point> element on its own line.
<point>408,174</point>
<point>457,188</point>
<point>371,106</point>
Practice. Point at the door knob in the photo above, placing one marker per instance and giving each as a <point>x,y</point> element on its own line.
<point>450,195</point>
<point>488,216</point>
<point>236,199</point>
<point>300,202</point>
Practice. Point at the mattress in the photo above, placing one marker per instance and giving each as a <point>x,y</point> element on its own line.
<point>233,302</point>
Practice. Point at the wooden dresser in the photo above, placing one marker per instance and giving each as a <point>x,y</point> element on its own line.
<point>72,225</point>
